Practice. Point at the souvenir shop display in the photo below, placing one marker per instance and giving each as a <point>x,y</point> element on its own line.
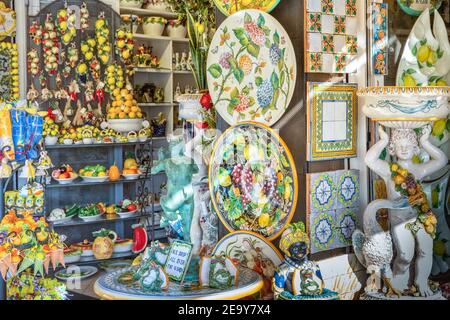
<point>7,22</point>
<point>9,76</point>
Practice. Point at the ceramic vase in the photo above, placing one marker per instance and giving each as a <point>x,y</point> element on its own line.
<point>131,3</point>
<point>154,26</point>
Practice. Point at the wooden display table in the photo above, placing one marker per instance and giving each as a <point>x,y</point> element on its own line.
<point>107,287</point>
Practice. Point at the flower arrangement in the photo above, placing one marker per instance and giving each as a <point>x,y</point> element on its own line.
<point>28,287</point>
<point>407,185</point>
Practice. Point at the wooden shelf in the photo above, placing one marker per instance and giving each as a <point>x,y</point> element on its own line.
<point>141,36</point>
<point>152,70</point>
<point>183,72</point>
<point>148,12</point>
<point>156,104</point>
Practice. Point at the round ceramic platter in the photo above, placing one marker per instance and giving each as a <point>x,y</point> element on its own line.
<point>415,8</point>
<point>109,287</point>
<point>253,180</point>
<point>228,7</point>
<point>251,250</point>
<point>91,218</point>
<point>127,214</point>
<point>115,265</point>
<point>251,68</point>
<point>85,271</point>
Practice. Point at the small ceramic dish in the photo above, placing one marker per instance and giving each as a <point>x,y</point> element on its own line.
<point>85,247</point>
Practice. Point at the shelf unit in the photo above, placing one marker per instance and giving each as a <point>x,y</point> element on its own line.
<point>165,77</point>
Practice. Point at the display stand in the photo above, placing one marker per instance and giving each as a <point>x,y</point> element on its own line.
<point>108,288</point>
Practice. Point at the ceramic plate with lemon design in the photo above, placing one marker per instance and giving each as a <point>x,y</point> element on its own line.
<point>228,7</point>
<point>251,68</point>
<point>253,180</point>
<point>426,58</point>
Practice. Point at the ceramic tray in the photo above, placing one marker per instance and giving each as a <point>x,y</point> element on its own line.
<point>108,287</point>
<point>251,68</point>
<point>228,7</point>
<point>253,180</point>
<point>86,271</point>
<point>251,250</point>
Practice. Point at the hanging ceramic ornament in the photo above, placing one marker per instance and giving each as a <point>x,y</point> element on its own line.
<point>228,7</point>
<point>426,58</point>
<point>65,22</point>
<point>251,68</point>
<point>9,75</point>
<point>7,21</point>
<point>87,48</point>
<point>32,94</point>
<point>51,46</point>
<point>33,62</point>
<point>253,180</point>
<point>416,7</point>
<point>84,18</point>
<point>124,44</point>
<point>36,33</point>
<point>82,72</point>
<point>95,67</point>
<point>102,36</point>
<point>100,96</point>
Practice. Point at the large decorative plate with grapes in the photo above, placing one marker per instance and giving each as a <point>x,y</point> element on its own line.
<point>228,7</point>
<point>253,180</point>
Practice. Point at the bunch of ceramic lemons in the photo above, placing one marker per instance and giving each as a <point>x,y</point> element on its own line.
<point>124,106</point>
<point>124,44</point>
<point>102,35</point>
<point>115,78</point>
<point>87,48</point>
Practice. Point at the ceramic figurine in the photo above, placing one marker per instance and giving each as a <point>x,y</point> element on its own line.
<point>218,273</point>
<point>177,61</point>
<point>154,279</point>
<point>183,62</point>
<point>298,278</point>
<point>177,93</point>
<point>413,226</point>
<point>158,95</point>
<point>179,199</point>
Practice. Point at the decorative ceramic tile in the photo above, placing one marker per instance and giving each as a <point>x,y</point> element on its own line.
<point>333,208</point>
<point>314,22</point>
<point>380,38</point>
<point>332,114</point>
<point>328,43</point>
<point>336,21</point>
<point>328,6</point>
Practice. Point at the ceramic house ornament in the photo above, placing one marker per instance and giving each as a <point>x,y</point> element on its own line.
<point>306,282</point>
<point>426,59</point>
<point>252,68</point>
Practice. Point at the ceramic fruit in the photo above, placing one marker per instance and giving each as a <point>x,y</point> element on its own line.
<point>176,29</point>
<point>124,45</point>
<point>114,173</point>
<point>94,171</point>
<point>85,246</point>
<point>64,174</point>
<point>131,3</point>
<point>123,245</point>
<point>140,238</point>
<point>251,68</point>
<point>253,180</point>
<point>230,7</point>
<point>102,33</point>
<point>124,106</point>
<point>154,26</point>
<point>103,245</point>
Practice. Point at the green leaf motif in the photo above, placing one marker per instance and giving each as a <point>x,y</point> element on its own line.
<point>275,81</point>
<point>414,51</point>
<point>410,71</point>
<point>276,38</point>
<point>261,21</point>
<point>248,18</point>
<point>253,49</point>
<point>234,93</point>
<point>215,70</point>
<point>238,75</point>
<point>239,33</point>
<point>258,81</point>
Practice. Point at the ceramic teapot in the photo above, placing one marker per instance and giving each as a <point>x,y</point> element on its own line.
<point>103,245</point>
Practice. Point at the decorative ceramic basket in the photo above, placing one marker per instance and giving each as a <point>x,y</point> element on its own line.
<point>405,107</point>
<point>157,6</point>
<point>176,31</point>
<point>190,107</point>
<point>131,3</point>
<point>126,125</point>
<point>154,26</point>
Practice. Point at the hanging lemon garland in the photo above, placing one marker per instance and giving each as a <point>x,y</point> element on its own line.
<point>9,80</point>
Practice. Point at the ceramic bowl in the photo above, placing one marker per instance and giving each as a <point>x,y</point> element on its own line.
<point>178,31</point>
<point>88,140</point>
<point>68,142</point>
<point>94,179</point>
<point>123,245</point>
<point>126,125</point>
<point>131,176</point>
<point>405,107</point>
<point>66,181</point>
<point>154,26</point>
<point>131,3</point>
<point>91,218</point>
<point>72,255</point>
<point>86,248</point>
<point>51,141</point>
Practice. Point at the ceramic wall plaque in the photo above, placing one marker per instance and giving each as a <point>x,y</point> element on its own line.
<point>251,68</point>
<point>426,58</point>
<point>416,7</point>
<point>331,121</point>
<point>333,206</point>
<point>331,36</point>
<point>228,7</point>
<point>178,260</point>
<point>253,180</point>
<point>380,38</point>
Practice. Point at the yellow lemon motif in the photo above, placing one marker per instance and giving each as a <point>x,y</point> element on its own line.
<point>410,81</point>
<point>439,127</point>
<point>264,220</point>
<point>423,53</point>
